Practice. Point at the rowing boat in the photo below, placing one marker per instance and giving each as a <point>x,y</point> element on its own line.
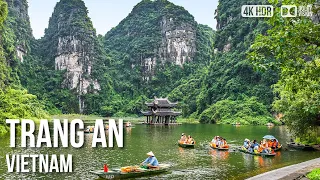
<point>258,154</point>
<point>118,174</point>
<point>184,145</point>
<point>219,148</point>
<point>300,146</point>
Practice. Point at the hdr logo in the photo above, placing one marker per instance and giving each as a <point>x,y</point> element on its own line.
<point>294,11</point>
<point>289,11</point>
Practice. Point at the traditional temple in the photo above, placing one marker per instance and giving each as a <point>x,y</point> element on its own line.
<point>161,112</point>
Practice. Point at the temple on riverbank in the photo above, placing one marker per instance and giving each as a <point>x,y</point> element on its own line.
<point>160,112</point>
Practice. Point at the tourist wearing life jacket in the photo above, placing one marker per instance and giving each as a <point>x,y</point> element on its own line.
<point>190,140</point>
<point>183,138</point>
<point>265,147</point>
<point>224,143</point>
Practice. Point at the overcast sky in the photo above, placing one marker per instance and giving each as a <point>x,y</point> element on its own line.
<point>106,14</point>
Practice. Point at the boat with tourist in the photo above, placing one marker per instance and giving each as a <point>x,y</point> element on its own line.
<point>131,172</point>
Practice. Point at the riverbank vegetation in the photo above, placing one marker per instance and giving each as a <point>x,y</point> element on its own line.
<point>245,111</point>
<point>314,174</point>
<point>15,101</point>
<point>292,47</point>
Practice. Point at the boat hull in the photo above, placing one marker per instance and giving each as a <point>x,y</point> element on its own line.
<point>278,149</point>
<point>117,174</point>
<point>220,149</point>
<point>185,145</point>
<point>258,154</point>
<point>300,146</point>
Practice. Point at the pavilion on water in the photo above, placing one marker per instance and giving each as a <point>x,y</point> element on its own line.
<point>160,112</point>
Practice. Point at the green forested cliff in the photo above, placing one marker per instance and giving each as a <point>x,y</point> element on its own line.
<point>67,67</point>
<point>157,50</point>
<point>15,102</point>
<point>229,89</point>
<point>157,46</point>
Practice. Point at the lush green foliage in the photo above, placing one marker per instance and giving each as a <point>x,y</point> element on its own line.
<point>15,102</point>
<point>292,47</point>
<point>314,174</point>
<point>244,111</point>
<point>229,74</point>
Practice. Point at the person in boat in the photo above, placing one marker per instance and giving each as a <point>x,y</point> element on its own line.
<point>251,146</point>
<point>270,143</point>
<point>246,143</point>
<point>190,140</point>
<point>224,143</point>
<point>256,146</point>
<point>214,140</point>
<point>218,141</point>
<point>275,143</point>
<point>183,138</point>
<point>265,147</point>
<point>151,161</point>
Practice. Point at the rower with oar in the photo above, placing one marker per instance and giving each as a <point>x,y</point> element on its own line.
<point>150,162</point>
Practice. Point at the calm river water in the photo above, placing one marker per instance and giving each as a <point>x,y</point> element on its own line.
<point>198,163</point>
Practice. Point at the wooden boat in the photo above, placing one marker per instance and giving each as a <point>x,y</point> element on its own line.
<point>316,147</point>
<point>219,148</point>
<point>258,154</point>
<point>139,172</point>
<point>128,124</point>
<point>300,146</point>
<point>89,129</point>
<point>184,145</point>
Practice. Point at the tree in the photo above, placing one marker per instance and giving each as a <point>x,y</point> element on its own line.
<point>292,46</point>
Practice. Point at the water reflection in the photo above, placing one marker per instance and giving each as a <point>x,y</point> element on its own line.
<point>217,155</point>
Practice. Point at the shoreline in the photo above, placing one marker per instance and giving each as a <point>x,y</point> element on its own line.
<point>296,171</point>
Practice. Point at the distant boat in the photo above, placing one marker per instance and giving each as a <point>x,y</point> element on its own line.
<point>269,124</point>
<point>304,147</point>
<point>236,124</point>
<point>184,145</point>
<point>89,129</point>
<point>128,124</point>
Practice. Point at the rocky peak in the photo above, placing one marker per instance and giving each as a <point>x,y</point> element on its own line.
<point>18,20</point>
<point>178,42</point>
<point>71,40</point>
<point>229,18</point>
<point>158,32</point>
